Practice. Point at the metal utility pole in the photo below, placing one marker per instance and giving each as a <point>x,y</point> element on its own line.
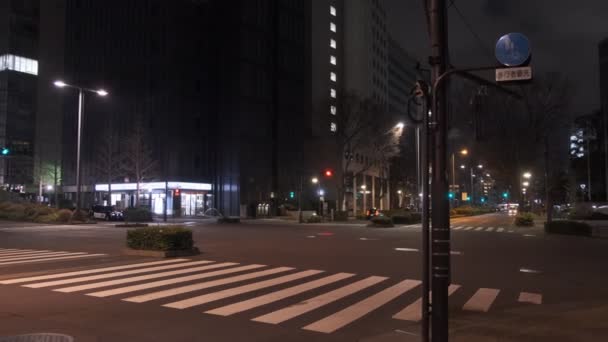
<point>440,237</point>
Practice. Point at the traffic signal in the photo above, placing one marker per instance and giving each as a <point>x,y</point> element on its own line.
<point>176,193</point>
<point>5,151</point>
<point>328,173</point>
<point>292,194</point>
<point>450,195</point>
<point>505,195</point>
<point>483,199</point>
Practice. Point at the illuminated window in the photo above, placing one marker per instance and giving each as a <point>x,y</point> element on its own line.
<point>332,60</point>
<point>332,10</point>
<point>333,110</point>
<point>332,43</point>
<point>332,27</point>
<point>333,127</point>
<point>332,93</point>
<point>20,64</point>
<point>333,77</point>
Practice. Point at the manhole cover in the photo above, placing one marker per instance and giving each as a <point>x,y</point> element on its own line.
<point>45,337</point>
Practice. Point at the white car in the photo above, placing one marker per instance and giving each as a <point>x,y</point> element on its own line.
<point>512,211</point>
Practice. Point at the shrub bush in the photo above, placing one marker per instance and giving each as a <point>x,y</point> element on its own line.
<point>568,228</point>
<point>64,215</point>
<point>160,238</point>
<point>340,215</point>
<point>381,221</point>
<point>51,218</point>
<point>139,214</point>
<point>227,219</point>
<point>79,216</point>
<point>524,220</point>
<point>16,212</point>
<point>314,219</point>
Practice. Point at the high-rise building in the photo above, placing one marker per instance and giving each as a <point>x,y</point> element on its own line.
<point>403,72</point>
<point>603,64</point>
<point>19,35</point>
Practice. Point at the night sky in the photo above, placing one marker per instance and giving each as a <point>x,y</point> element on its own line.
<point>564,35</point>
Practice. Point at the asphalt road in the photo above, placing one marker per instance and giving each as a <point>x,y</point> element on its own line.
<point>325,282</point>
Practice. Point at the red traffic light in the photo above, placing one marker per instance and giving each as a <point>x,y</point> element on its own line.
<point>329,173</point>
<point>176,192</point>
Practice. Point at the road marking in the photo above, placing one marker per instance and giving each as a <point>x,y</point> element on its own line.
<point>115,274</point>
<point>43,255</point>
<point>529,235</point>
<point>468,228</point>
<point>490,229</point>
<point>311,236</point>
<point>413,312</point>
<point>200,286</point>
<point>305,306</point>
<point>143,277</point>
<point>211,297</point>
<point>13,249</point>
<point>98,270</point>
<point>348,315</point>
<point>368,239</point>
<point>278,295</point>
<point>171,281</point>
<point>511,231</point>
<point>500,230</point>
<point>23,251</point>
<point>478,228</point>
<point>481,300</point>
<point>458,228</point>
<point>528,270</point>
<point>401,249</point>
<point>456,252</point>
<point>527,297</point>
<point>50,259</point>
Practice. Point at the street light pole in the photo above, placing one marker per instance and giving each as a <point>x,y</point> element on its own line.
<point>81,90</point>
<point>472,187</point>
<point>78,145</point>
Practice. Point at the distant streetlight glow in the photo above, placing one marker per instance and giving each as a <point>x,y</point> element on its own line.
<point>400,125</point>
<point>49,187</point>
<point>462,167</point>
<point>363,187</point>
<point>480,166</point>
<point>314,180</point>
<point>102,92</point>
<point>59,84</point>
<point>399,192</point>
<point>527,175</point>
<point>526,184</point>
<point>464,152</point>
<point>487,175</point>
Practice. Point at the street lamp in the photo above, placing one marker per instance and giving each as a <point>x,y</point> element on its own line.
<point>525,184</point>
<point>527,175</point>
<point>463,167</point>
<point>314,180</point>
<point>400,125</point>
<point>480,166</point>
<point>81,91</point>
<point>462,152</point>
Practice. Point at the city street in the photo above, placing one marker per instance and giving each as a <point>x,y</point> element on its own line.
<point>270,280</point>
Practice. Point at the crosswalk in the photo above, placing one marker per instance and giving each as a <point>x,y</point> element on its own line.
<point>324,302</point>
<point>11,256</point>
<point>488,229</point>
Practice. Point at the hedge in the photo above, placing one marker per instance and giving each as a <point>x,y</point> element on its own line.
<point>314,219</point>
<point>381,221</point>
<point>226,219</point>
<point>139,214</point>
<point>160,238</point>
<point>33,212</point>
<point>470,211</point>
<point>524,220</point>
<point>568,228</point>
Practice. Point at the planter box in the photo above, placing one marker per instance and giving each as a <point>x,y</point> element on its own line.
<point>162,254</point>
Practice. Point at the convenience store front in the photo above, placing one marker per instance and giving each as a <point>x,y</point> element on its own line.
<point>183,198</point>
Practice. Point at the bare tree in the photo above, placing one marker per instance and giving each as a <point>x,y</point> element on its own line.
<point>108,160</point>
<point>48,173</point>
<point>363,131</point>
<point>139,161</point>
<point>547,100</point>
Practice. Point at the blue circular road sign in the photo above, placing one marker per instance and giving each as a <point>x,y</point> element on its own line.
<point>512,49</point>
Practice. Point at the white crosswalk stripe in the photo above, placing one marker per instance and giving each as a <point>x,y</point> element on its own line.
<point>413,312</point>
<point>211,297</point>
<point>340,319</point>
<point>171,281</point>
<point>97,270</point>
<point>482,300</point>
<point>527,297</point>
<point>469,228</point>
<point>248,293</point>
<point>49,259</point>
<point>458,228</point>
<point>490,229</point>
<point>140,278</point>
<point>305,306</point>
<point>500,229</point>
<point>195,287</point>
<point>278,295</point>
<point>479,228</point>
<point>115,274</point>
<point>38,256</point>
<point>22,251</point>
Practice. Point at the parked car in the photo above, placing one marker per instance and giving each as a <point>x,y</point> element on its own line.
<point>372,212</point>
<point>104,212</point>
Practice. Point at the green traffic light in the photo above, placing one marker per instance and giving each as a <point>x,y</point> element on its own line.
<point>5,151</point>
<point>451,195</point>
<point>292,194</point>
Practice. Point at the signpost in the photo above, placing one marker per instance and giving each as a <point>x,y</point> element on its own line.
<point>513,74</point>
<point>513,51</point>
